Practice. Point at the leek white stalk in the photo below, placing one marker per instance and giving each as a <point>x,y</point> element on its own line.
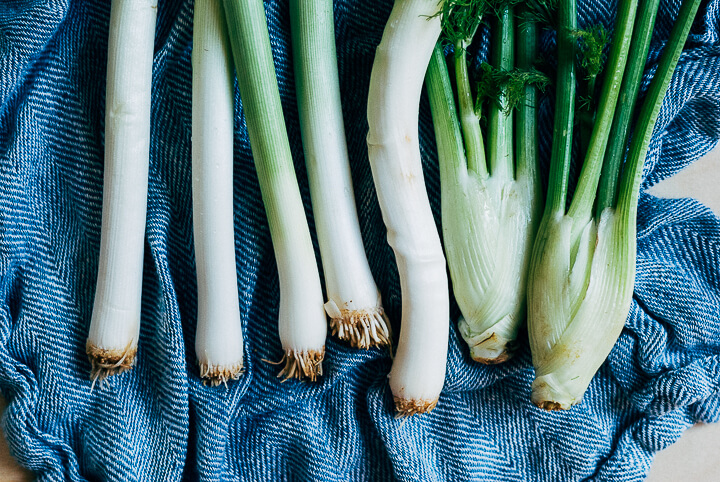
<point>354,304</point>
<point>218,340</point>
<point>115,324</point>
<point>302,321</point>
<point>418,370</point>
<point>583,267</point>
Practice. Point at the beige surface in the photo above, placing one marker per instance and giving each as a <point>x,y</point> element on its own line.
<point>9,470</point>
<point>694,457</point>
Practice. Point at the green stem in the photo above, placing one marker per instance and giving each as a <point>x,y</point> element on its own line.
<point>301,317</point>
<point>564,108</point>
<point>254,64</point>
<point>632,174</point>
<point>447,129</point>
<point>526,137</point>
<point>587,114</point>
<point>469,120</point>
<point>585,193</point>
<point>620,130</point>
<point>500,127</point>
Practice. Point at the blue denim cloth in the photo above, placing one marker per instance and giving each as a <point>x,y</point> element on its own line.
<point>158,422</point>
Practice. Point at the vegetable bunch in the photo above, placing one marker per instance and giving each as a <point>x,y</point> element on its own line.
<point>569,268</point>
<point>580,268</point>
<point>583,264</point>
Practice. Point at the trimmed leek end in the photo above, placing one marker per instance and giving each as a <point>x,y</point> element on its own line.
<point>362,328</point>
<point>579,296</point>
<point>107,362</point>
<point>303,365</point>
<point>407,408</point>
<point>489,228</point>
<point>219,343</point>
<point>215,375</point>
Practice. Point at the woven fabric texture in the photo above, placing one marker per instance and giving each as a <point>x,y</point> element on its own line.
<point>159,422</point>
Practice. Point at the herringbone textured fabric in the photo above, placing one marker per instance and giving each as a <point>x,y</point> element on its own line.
<point>158,422</point>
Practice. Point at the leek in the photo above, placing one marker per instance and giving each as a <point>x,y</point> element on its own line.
<point>583,268</point>
<point>115,324</point>
<point>302,322</point>
<point>401,59</point>
<point>354,304</point>
<point>218,342</point>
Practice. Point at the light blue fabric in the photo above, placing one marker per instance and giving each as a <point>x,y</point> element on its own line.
<point>158,422</point>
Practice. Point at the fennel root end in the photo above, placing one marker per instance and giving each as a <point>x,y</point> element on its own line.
<point>495,345</point>
<point>548,393</point>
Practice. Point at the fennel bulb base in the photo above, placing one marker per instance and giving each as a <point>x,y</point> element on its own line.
<point>548,394</point>
<point>361,328</point>
<point>303,365</point>
<point>492,346</point>
<point>406,408</point>
<point>106,362</point>
<point>215,375</point>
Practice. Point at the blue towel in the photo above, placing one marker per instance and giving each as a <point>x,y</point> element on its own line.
<point>158,422</point>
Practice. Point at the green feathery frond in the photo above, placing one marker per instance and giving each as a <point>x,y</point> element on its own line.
<point>506,87</point>
<point>460,19</point>
<point>542,12</point>
<point>592,42</point>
